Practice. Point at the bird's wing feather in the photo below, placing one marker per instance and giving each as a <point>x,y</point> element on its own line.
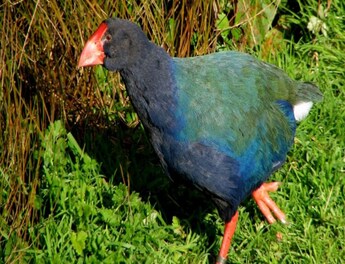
<point>234,104</point>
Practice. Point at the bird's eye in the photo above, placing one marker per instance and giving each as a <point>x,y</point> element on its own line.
<point>108,37</point>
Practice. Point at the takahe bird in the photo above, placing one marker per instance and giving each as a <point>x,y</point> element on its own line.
<point>223,121</point>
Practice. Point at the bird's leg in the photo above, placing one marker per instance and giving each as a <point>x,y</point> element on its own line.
<point>229,231</point>
<point>266,204</point>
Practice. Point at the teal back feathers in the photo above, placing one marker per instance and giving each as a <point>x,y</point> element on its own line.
<point>229,95</point>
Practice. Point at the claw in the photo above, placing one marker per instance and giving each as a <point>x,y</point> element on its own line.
<point>266,204</point>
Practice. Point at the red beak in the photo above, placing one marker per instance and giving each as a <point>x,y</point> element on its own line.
<point>93,53</point>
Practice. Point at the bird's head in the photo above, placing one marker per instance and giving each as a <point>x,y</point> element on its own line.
<point>116,44</point>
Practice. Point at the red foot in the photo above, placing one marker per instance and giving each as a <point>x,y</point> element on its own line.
<point>266,204</point>
<point>229,231</point>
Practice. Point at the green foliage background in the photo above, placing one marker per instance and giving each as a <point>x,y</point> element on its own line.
<point>79,181</point>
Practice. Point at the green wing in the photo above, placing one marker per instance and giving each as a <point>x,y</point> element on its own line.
<point>229,99</point>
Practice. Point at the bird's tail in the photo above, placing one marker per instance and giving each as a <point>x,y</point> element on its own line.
<point>307,94</point>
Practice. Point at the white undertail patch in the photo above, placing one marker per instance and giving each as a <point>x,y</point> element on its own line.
<point>301,110</point>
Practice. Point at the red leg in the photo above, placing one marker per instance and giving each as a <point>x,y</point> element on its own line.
<point>266,204</point>
<point>229,231</point>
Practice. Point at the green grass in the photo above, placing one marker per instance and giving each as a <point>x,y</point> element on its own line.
<point>79,180</point>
